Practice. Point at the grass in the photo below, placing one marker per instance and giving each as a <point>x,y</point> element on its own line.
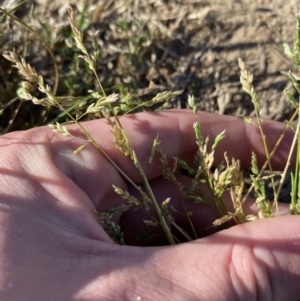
<point>98,97</point>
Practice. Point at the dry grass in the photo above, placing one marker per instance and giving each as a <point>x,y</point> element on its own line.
<point>113,60</point>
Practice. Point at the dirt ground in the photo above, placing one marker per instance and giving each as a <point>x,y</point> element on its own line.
<point>185,45</point>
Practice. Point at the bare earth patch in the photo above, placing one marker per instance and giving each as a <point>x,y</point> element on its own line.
<point>152,46</point>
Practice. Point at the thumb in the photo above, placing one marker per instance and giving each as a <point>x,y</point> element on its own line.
<point>254,261</point>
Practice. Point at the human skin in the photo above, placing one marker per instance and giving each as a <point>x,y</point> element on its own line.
<point>53,248</point>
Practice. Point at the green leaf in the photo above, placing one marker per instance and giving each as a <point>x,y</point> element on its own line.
<point>155,145</point>
<point>197,129</point>
<point>291,98</point>
<point>254,167</point>
<point>218,139</point>
<point>248,120</point>
<point>295,82</point>
<point>287,50</point>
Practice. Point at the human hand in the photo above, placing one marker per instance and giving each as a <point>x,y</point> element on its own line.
<point>52,247</point>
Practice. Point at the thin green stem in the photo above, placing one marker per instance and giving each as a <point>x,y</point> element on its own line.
<point>137,164</point>
<point>296,174</point>
<point>218,202</point>
<point>97,78</point>
<point>267,153</point>
<point>288,163</point>
<point>189,238</point>
<point>271,155</point>
<point>163,222</point>
<point>98,147</point>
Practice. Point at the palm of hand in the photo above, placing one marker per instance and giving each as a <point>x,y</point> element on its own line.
<point>52,247</point>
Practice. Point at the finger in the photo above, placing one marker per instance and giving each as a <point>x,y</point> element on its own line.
<point>175,129</point>
<point>89,170</point>
<point>33,189</point>
<point>195,219</point>
<point>253,261</point>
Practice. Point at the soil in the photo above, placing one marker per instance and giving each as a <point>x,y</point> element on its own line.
<point>196,49</point>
